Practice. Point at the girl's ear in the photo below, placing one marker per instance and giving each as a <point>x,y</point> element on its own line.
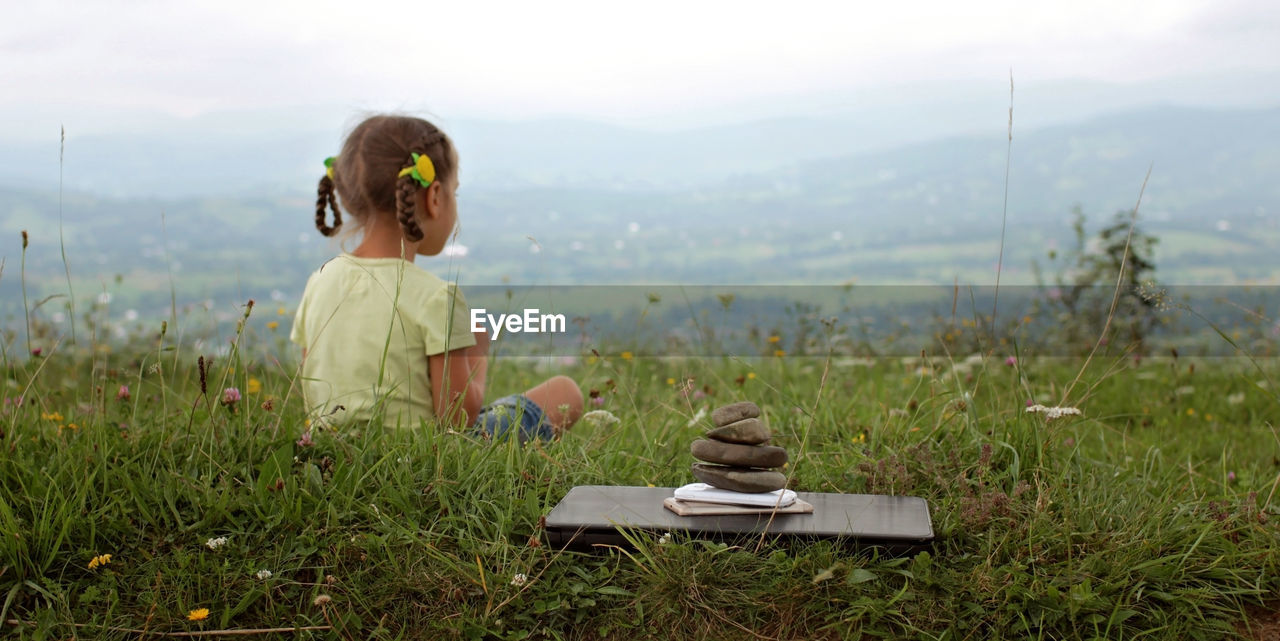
<point>429,200</point>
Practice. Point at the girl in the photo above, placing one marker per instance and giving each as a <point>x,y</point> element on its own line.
<point>383,339</point>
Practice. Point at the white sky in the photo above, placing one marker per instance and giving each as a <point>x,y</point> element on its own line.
<point>609,60</point>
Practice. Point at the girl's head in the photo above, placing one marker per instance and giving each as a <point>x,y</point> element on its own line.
<point>371,174</point>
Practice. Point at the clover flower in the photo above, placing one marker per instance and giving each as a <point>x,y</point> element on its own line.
<point>230,396</point>
<point>600,418</point>
<point>1051,413</point>
<point>519,580</point>
<point>305,441</point>
<point>123,393</point>
<point>214,544</point>
<point>263,575</point>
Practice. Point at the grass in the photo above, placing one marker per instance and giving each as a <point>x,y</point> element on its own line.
<point>1154,515</point>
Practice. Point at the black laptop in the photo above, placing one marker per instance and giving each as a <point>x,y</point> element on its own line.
<point>595,516</point>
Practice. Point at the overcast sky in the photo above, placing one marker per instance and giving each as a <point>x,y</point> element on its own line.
<point>93,63</point>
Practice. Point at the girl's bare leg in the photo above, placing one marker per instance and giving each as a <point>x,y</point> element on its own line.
<point>560,399</point>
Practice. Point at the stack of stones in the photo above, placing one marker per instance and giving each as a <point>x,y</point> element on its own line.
<point>736,451</point>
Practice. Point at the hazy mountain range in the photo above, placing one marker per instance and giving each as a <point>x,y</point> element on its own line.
<point>578,202</point>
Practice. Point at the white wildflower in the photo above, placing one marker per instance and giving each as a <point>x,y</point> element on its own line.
<point>1235,399</point>
<point>974,359</point>
<point>519,580</point>
<point>1051,413</point>
<point>600,418</point>
<point>697,417</point>
<point>214,544</point>
<point>1184,390</point>
<point>263,575</point>
<point>664,539</point>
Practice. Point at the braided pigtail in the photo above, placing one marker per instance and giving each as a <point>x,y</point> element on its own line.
<point>325,196</point>
<point>407,185</point>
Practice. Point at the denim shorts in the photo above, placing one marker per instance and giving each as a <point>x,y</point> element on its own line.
<point>500,418</point>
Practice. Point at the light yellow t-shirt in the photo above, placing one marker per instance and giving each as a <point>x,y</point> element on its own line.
<point>368,325</point>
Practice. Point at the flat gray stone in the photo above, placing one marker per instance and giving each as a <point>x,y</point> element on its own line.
<point>738,455</point>
<point>734,412</point>
<point>739,479</point>
<point>748,431</point>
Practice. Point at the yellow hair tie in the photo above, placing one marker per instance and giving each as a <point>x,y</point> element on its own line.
<point>422,170</point>
<point>328,166</point>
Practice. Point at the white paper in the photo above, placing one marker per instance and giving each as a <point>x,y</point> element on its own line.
<point>708,494</point>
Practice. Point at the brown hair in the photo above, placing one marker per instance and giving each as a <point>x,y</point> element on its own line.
<point>366,172</point>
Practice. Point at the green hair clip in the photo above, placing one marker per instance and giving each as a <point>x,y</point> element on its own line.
<point>423,170</point>
<point>328,166</point>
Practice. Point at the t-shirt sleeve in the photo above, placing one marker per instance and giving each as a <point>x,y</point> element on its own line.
<point>448,321</point>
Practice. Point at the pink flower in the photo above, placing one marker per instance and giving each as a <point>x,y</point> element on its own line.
<point>306,441</point>
<point>36,352</point>
<point>230,396</point>
<point>1231,477</point>
<point>1011,361</point>
<point>123,394</point>
<point>599,400</point>
<point>1029,403</point>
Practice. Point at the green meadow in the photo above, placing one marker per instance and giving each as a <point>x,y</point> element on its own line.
<point>141,499</point>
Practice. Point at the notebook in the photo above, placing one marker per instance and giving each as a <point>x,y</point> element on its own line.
<point>595,516</point>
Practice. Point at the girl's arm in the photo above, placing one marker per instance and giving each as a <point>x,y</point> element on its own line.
<point>458,380</point>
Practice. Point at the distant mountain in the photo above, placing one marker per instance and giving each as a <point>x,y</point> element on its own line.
<point>279,151</point>
<point>927,212</point>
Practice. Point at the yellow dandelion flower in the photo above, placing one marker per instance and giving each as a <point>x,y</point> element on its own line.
<point>51,416</point>
<point>775,338</point>
<point>273,325</point>
<point>779,352</point>
<point>626,356</point>
<point>281,312</point>
<point>671,381</point>
<point>198,614</point>
<point>254,386</point>
<point>99,561</point>
<point>751,375</point>
<point>1191,411</point>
